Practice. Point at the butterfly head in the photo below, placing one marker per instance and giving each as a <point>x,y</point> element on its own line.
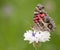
<point>40,6</point>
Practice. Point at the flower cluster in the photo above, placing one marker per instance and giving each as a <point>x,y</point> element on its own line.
<point>34,36</point>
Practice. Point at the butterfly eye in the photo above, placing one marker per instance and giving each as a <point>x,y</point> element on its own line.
<point>50,26</point>
<point>47,21</point>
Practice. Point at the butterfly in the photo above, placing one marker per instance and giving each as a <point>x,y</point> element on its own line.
<point>42,21</point>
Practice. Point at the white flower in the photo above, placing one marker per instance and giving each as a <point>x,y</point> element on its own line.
<point>33,36</point>
<point>44,36</point>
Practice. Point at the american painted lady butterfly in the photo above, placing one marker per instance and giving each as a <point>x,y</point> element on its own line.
<point>42,21</point>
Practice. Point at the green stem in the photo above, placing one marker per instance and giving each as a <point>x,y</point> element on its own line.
<point>36,48</point>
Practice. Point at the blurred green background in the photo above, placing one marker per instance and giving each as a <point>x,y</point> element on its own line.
<point>16,16</point>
